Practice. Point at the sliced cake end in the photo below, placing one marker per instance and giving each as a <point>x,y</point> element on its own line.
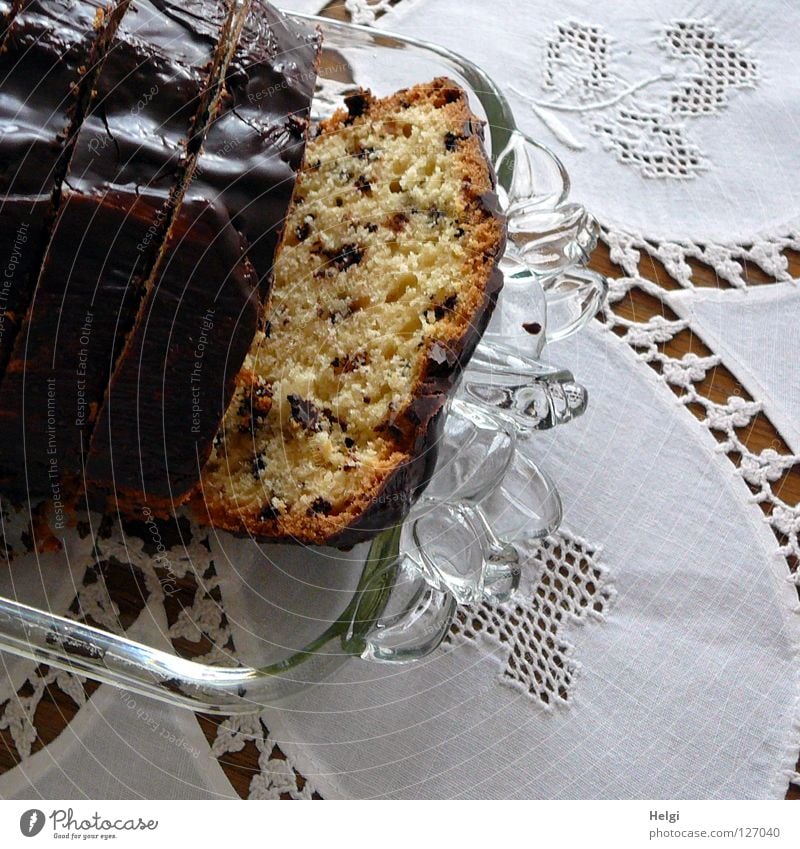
<point>385,281</point>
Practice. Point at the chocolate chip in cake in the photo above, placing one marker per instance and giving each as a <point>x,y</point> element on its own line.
<point>258,465</point>
<point>260,400</point>
<point>447,306</point>
<point>349,363</point>
<point>334,419</point>
<point>268,513</point>
<point>451,141</point>
<point>339,259</point>
<point>390,425</point>
<point>397,221</point>
<point>356,105</point>
<point>320,506</point>
<point>532,327</point>
<point>363,185</point>
<point>268,329</point>
<point>298,124</point>
<point>349,442</point>
<point>442,361</point>
<point>447,95</point>
<point>372,228</point>
<point>303,231</point>
<point>304,412</point>
<point>262,388</point>
<point>347,256</point>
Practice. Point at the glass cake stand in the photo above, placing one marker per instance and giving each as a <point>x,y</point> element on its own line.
<point>297,613</point>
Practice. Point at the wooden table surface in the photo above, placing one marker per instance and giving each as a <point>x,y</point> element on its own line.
<point>56,709</point>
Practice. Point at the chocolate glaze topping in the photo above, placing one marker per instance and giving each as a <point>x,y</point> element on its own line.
<point>7,12</point>
<point>146,100</point>
<point>43,60</point>
<point>102,243</point>
<point>178,369</point>
<point>42,65</point>
<point>134,144</point>
<point>22,227</point>
<point>255,146</point>
<point>61,357</point>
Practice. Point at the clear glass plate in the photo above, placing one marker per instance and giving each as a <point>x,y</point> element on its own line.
<point>294,613</point>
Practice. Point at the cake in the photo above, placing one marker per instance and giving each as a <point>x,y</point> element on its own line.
<point>385,280</point>
<point>149,155</point>
<point>142,233</point>
<point>172,383</point>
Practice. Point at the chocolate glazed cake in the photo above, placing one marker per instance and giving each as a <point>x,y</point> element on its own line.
<point>110,214</point>
<point>50,54</point>
<point>51,57</point>
<point>385,282</point>
<point>184,227</point>
<point>175,378</point>
<point>141,257</point>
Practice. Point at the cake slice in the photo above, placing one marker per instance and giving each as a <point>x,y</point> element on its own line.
<point>386,278</point>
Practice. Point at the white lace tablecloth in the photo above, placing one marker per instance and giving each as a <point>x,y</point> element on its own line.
<point>656,654</point>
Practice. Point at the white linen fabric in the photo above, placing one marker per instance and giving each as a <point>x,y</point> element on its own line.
<point>305,7</point>
<point>652,650</point>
